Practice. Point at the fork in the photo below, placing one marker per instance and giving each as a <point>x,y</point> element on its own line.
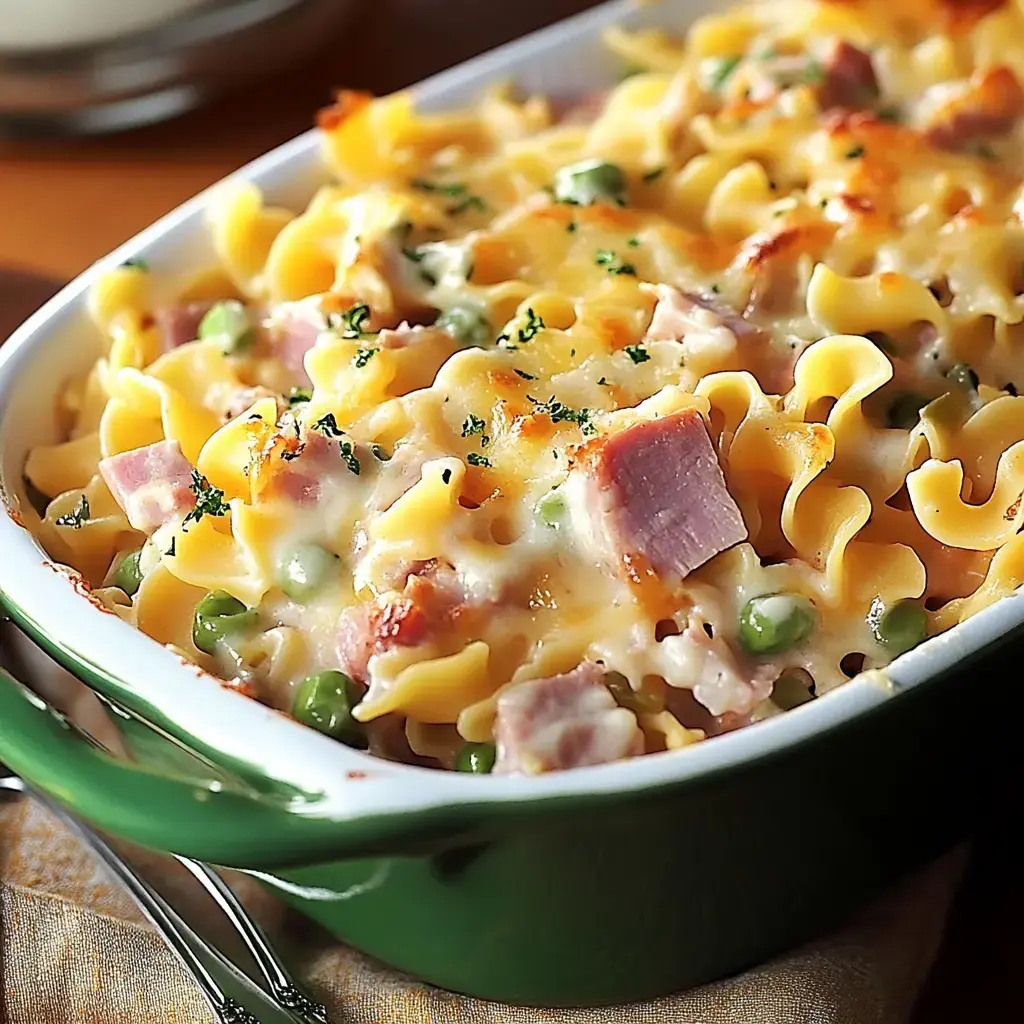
<point>192,952</point>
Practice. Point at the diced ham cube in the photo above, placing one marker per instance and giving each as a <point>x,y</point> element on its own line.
<point>151,484</point>
<point>565,721</point>
<point>677,314</point>
<point>431,597</point>
<point>180,324</point>
<point>849,81</point>
<point>660,494</point>
<point>991,105</point>
<point>294,330</point>
<point>295,468</point>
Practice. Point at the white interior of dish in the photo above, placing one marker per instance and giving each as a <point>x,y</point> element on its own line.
<point>565,60</point>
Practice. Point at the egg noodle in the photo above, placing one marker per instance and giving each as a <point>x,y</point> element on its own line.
<point>801,221</point>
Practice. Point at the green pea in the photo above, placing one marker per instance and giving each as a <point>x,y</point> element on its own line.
<point>477,758</point>
<point>228,324</point>
<point>551,508</point>
<point>590,181</point>
<point>899,626</point>
<point>466,324</point>
<point>773,623</point>
<point>904,411</point>
<point>305,569</point>
<point>128,576</point>
<point>217,616</point>
<point>324,702</point>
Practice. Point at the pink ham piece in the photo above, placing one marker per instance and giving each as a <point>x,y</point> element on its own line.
<point>295,330</point>
<point>564,721</point>
<point>660,494</point>
<point>849,80</point>
<point>431,596</point>
<point>151,484</point>
<point>677,314</point>
<point>180,324</point>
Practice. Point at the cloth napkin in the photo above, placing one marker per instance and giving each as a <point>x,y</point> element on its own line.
<point>74,948</point>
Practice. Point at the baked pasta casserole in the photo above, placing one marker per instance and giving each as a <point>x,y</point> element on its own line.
<point>563,430</point>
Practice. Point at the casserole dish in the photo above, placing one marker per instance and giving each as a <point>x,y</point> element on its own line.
<point>601,884</point>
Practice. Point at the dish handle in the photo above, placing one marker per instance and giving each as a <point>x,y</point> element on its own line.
<point>170,800</point>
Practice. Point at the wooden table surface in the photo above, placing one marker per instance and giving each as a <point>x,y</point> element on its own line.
<point>63,205</point>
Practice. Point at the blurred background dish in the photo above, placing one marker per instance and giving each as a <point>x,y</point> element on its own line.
<point>77,67</point>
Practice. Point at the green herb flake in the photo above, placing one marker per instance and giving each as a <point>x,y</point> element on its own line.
<point>297,396</point>
<point>653,175</point>
<point>77,517</point>
<point>171,552</point>
<point>469,203</point>
<point>363,356</point>
<point>473,425</point>
<point>534,325</point>
<point>209,500</point>
<point>524,374</point>
<point>351,322</point>
<point>721,71</point>
<point>633,243</point>
<point>559,412</point>
<point>856,153</point>
<point>571,227</point>
<point>814,73</point>
<point>476,459</point>
<point>136,263</point>
<point>612,263</point>
<point>348,455</point>
<point>455,188</point>
<point>637,353</point>
<point>603,382</point>
<point>328,426</point>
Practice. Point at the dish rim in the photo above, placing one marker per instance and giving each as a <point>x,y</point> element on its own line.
<point>53,608</point>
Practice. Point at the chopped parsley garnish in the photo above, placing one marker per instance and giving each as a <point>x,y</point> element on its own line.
<point>633,243</point>
<point>856,153</point>
<point>612,263</point>
<point>814,73</point>
<point>446,476</point>
<point>299,395</point>
<point>559,412</point>
<point>653,175</point>
<point>476,459</point>
<point>348,454</point>
<point>1010,388</point>
<point>351,322</point>
<point>77,517</point>
<point>363,356</point>
<point>455,188</point>
<point>328,426</point>
<point>571,226</point>
<point>293,453</point>
<point>721,71</point>
<point>170,552</point>
<point>469,203</point>
<point>136,263</point>
<point>379,453</point>
<point>637,353</point>
<point>473,425</point>
<point>983,149</point>
<point>525,375</point>
<point>534,325</point>
<point>715,289</point>
<point>209,500</point>
<point>603,382</point>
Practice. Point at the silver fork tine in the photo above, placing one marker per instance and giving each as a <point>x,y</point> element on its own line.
<point>281,984</point>
<point>176,933</point>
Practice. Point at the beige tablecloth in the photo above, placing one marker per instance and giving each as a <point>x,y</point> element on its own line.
<point>75,949</point>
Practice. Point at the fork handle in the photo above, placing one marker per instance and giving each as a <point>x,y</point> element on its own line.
<point>188,948</point>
